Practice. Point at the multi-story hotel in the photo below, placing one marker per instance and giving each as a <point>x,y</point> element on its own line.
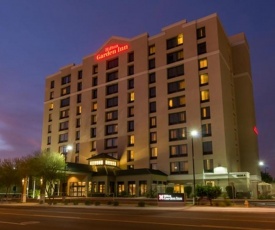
<point>129,108</point>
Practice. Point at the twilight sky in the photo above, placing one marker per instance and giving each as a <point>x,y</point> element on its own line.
<point>37,37</point>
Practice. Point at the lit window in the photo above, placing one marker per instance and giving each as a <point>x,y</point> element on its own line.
<point>51,106</point>
<point>78,110</point>
<point>203,63</point>
<point>204,79</point>
<point>153,137</point>
<point>154,152</point>
<point>205,112</point>
<point>179,167</point>
<point>130,154</point>
<point>153,122</point>
<point>131,140</point>
<point>98,162</point>
<point>178,150</point>
<point>180,39</point>
<point>206,130</point>
<point>152,49</point>
<point>205,95</point>
<point>94,106</point>
<point>131,97</point>
<point>208,166</point>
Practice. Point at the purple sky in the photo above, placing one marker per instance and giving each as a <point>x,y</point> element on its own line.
<point>40,36</point>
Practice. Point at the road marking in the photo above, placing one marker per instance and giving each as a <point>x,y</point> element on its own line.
<point>22,223</point>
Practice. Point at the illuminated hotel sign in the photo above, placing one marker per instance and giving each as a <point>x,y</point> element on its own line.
<point>174,197</point>
<point>111,51</point>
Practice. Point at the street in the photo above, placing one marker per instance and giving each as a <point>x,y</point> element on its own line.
<point>115,218</point>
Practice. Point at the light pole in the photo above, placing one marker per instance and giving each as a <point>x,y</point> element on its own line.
<point>194,133</point>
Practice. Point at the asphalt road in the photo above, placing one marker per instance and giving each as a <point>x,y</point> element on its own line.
<point>119,218</point>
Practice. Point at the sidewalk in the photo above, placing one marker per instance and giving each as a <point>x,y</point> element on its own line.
<point>147,207</point>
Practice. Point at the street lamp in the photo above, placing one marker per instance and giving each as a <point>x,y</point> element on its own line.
<point>193,133</point>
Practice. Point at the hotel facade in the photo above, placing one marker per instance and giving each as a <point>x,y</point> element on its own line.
<point>128,111</point>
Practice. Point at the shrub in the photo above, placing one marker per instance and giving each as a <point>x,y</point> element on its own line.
<point>116,203</point>
<point>75,202</point>
<point>88,202</point>
<point>188,190</point>
<point>141,204</point>
<point>209,192</point>
<point>97,203</point>
<point>169,190</point>
<point>109,202</point>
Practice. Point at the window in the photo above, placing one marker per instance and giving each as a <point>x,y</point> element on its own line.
<point>178,150</point>
<point>203,64</point>
<point>49,128</point>
<point>111,102</point>
<point>95,69</point>
<point>208,166</point>
<point>174,42</point>
<point>130,155</point>
<point>76,159</point>
<point>78,122</point>
<point>50,117</point>
<point>65,91</point>
<point>49,140</point>
<point>179,167</point>
<point>65,102</point>
<point>94,93</point>
<point>131,70</point>
<point>93,145</point>
<point>153,122</point>
<point>176,102</point>
<point>131,97</point>
<point>110,89</point>
<point>152,92</point>
<point>66,80</point>
<point>131,111</point>
<point>152,50</point>
<point>175,71</point>
<point>201,33</point>
<point>205,96</point>
<point>201,48</point>
<point>177,134</point>
<point>154,166</point>
<point>131,126</point>
<point>51,95</point>
<point>152,107</point>
<point>94,81</point>
<point>78,98</point>
<point>131,186</point>
<point>153,137</point>
<point>176,86</point>
<point>112,63</point>
<point>77,135</point>
<point>78,110</point>
<point>207,148</point>
<point>51,106</point>
<point>93,119</point>
<point>111,115</point>
<point>63,125</point>
<point>151,63</point>
<point>79,74</point>
<point>152,78</point>
<point>177,118</point>
<point>79,86</point>
<point>111,143</point>
<point>94,106</point>
<point>93,132</point>
<point>203,79</point>
<point>63,137</point>
<point>131,83</point>
<point>111,129</point>
<point>52,84</point>
<point>131,57</point>
<point>112,76</point>
<point>174,57</point>
<point>64,114</point>
<point>205,113</point>
<point>206,130</point>
<point>131,140</point>
<point>153,152</point>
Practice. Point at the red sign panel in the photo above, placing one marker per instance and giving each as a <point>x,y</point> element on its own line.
<point>111,50</point>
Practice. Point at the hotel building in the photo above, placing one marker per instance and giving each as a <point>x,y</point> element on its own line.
<point>129,108</point>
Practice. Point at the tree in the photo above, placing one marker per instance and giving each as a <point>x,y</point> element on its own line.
<point>266,177</point>
<point>9,174</point>
<point>50,167</point>
<point>209,192</point>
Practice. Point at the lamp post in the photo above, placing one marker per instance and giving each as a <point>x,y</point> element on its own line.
<point>194,133</point>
